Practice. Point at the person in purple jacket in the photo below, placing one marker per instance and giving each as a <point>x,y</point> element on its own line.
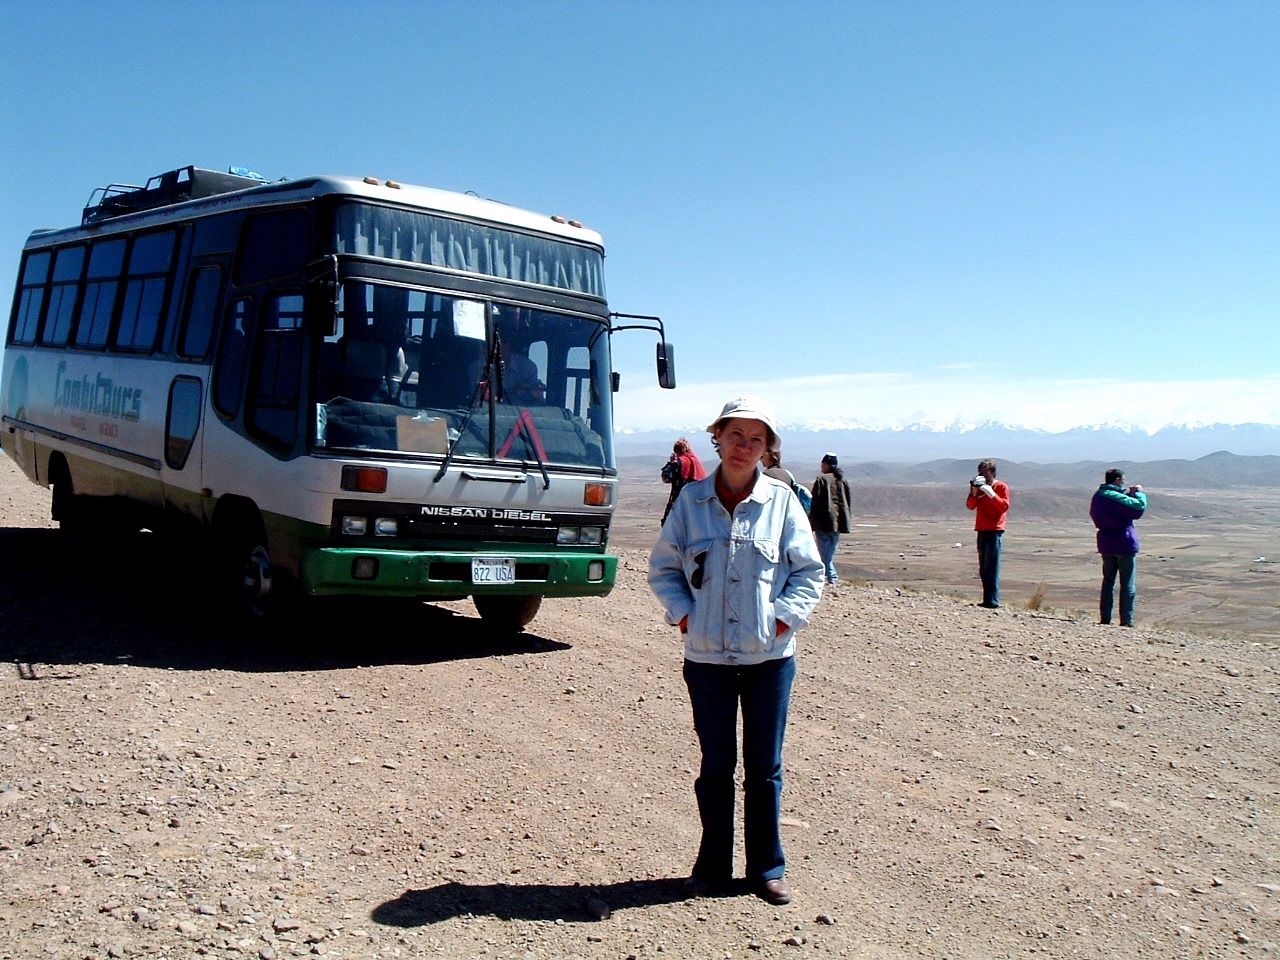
<point>1113,509</point>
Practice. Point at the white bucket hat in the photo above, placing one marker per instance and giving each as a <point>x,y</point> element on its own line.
<point>750,408</point>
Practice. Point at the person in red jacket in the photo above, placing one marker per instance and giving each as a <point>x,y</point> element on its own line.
<point>989,497</point>
<point>683,467</point>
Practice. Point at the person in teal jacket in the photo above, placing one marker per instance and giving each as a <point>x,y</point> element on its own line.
<point>1113,509</point>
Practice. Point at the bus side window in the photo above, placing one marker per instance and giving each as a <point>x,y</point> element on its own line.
<point>183,421</point>
<point>577,374</point>
<point>202,306</point>
<point>30,301</point>
<point>273,245</point>
<point>63,293</point>
<point>145,291</point>
<point>102,283</point>
<point>228,371</point>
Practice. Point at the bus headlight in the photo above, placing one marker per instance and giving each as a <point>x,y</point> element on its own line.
<point>591,536</point>
<point>595,570</point>
<point>355,526</point>
<point>386,527</point>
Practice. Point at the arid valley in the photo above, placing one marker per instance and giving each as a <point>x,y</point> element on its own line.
<point>960,783</point>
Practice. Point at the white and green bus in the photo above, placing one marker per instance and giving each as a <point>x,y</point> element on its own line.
<point>356,387</point>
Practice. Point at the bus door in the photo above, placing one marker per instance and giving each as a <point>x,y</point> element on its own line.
<point>183,468</point>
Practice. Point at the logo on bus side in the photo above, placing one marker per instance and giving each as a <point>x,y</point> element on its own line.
<point>487,513</point>
<point>101,396</point>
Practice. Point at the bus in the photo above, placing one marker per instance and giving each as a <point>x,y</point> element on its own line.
<point>347,387</point>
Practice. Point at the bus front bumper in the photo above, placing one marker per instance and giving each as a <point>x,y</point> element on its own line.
<point>347,571</point>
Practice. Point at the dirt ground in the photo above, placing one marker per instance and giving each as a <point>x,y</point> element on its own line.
<point>960,783</point>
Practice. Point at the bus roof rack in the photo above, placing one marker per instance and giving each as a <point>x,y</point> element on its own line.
<point>175,186</point>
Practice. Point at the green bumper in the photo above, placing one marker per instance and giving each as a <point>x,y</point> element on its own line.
<point>331,572</point>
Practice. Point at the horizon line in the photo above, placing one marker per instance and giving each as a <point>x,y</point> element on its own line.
<point>958,427</point>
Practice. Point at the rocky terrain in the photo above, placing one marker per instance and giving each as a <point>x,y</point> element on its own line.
<point>960,783</point>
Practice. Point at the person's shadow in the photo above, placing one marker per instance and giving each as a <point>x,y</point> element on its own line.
<point>528,901</point>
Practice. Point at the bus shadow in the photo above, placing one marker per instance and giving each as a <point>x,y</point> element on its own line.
<point>525,901</point>
<point>136,599</point>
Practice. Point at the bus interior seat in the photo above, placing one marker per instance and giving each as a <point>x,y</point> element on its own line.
<point>444,378</point>
<point>360,370</point>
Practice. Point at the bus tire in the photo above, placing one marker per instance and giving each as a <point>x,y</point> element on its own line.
<point>68,510</point>
<point>245,571</point>
<point>507,614</point>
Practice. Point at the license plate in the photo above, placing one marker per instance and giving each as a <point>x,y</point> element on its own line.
<point>493,570</point>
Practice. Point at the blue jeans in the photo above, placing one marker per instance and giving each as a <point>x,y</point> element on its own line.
<point>764,690</point>
<point>827,543</point>
<point>989,566</point>
<point>1126,565</point>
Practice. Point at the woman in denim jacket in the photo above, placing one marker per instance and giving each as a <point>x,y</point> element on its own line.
<point>736,568</point>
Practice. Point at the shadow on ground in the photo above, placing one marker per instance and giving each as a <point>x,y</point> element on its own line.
<point>135,599</point>
<point>533,901</point>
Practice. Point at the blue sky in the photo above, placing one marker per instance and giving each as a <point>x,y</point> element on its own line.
<point>872,213</point>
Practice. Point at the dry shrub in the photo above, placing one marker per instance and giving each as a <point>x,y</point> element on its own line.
<point>1037,597</point>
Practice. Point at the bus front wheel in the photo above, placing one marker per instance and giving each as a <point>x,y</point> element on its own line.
<point>507,614</point>
<point>255,580</point>
<point>246,574</point>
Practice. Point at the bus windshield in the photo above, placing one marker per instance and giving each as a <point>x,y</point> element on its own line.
<point>417,371</point>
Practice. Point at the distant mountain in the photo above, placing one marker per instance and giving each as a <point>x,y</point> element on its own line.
<point>917,444</point>
<point>1046,491</point>
<point>1214,471</point>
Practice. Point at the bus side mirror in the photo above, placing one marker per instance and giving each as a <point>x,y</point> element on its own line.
<point>666,365</point>
<point>322,307</point>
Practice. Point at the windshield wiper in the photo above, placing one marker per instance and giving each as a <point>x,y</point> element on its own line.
<point>490,378</point>
<point>524,421</point>
<point>490,382</point>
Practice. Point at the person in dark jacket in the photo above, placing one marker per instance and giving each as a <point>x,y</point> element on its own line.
<point>1113,509</point>
<point>830,513</point>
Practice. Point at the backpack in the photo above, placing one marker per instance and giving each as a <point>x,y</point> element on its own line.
<point>671,471</point>
<point>802,493</point>
<point>806,498</point>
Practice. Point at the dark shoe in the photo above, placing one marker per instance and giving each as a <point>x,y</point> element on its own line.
<point>1105,623</point>
<point>1129,624</point>
<point>704,887</point>
<point>775,891</point>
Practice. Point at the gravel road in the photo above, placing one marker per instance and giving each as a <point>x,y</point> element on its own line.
<point>960,783</point>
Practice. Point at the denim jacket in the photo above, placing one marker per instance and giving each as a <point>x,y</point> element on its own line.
<point>733,577</point>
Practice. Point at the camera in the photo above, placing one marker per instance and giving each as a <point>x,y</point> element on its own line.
<point>977,481</point>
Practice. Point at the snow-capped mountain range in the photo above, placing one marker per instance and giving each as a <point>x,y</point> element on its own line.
<point>919,442</point>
